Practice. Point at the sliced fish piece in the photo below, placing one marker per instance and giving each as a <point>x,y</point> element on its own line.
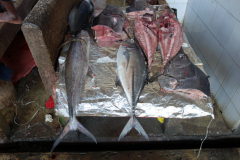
<point>146,33</point>
<point>170,39</point>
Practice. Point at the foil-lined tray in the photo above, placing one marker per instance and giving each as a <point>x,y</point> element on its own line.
<point>102,98</point>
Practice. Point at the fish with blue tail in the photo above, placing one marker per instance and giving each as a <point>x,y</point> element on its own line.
<point>132,74</point>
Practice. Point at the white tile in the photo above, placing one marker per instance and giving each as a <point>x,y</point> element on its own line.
<point>200,38</point>
<point>206,47</point>
<point>233,44</point>
<point>231,116</point>
<point>196,5</point>
<point>202,8</point>
<point>224,3</point>
<point>187,16</point>
<point>170,1</point>
<point>191,2</point>
<point>196,50</point>
<point>217,19</point>
<point>226,28</point>
<point>209,12</point>
<point>232,80</point>
<point>198,53</point>
<point>233,7</point>
<point>223,66</point>
<point>214,52</point>
<point>237,59</point>
<point>215,85</point>
<point>236,99</point>
<point>171,5</point>
<point>190,40</point>
<point>196,28</point>
<point>206,67</point>
<point>181,1</point>
<point>181,9</point>
<point>192,20</point>
<point>222,99</point>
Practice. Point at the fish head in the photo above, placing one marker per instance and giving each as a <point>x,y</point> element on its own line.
<point>179,66</point>
<point>137,5</point>
<point>180,60</point>
<point>112,17</point>
<point>147,17</point>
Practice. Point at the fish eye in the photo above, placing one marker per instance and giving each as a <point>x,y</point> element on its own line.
<point>181,56</point>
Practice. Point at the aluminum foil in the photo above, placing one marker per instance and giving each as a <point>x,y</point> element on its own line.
<point>102,98</point>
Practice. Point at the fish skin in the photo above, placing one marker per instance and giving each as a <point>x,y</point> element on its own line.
<point>80,15</point>
<point>137,5</point>
<point>75,74</point>
<point>181,76</point>
<point>132,74</point>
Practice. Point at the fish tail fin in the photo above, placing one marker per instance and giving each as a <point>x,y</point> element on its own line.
<point>72,125</point>
<point>60,137</point>
<point>82,129</point>
<point>133,123</point>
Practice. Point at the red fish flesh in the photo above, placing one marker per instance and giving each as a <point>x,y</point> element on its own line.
<point>105,33</point>
<point>146,34</point>
<point>170,38</point>
<point>164,11</point>
<point>108,25</point>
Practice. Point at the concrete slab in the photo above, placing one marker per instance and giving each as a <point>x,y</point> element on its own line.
<point>44,29</point>
<point>105,129</point>
<point>186,154</point>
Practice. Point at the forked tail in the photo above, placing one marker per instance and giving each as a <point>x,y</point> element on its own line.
<point>133,123</point>
<point>71,126</point>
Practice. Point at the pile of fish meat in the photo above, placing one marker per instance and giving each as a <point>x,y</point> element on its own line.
<point>154,29</point>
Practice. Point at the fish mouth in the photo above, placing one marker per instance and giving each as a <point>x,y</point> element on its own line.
<point>180,65</point>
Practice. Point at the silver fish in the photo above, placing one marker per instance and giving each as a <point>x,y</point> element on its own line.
<point>132,74</point>
<point>75,74</point>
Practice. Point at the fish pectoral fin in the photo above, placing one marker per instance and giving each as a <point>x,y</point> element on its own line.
<point>82,129</point>
<point>155,77</point>
<point>133,123</point>
<point>117,81</point>
<point>90,72</point>
<point>60,137</point>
